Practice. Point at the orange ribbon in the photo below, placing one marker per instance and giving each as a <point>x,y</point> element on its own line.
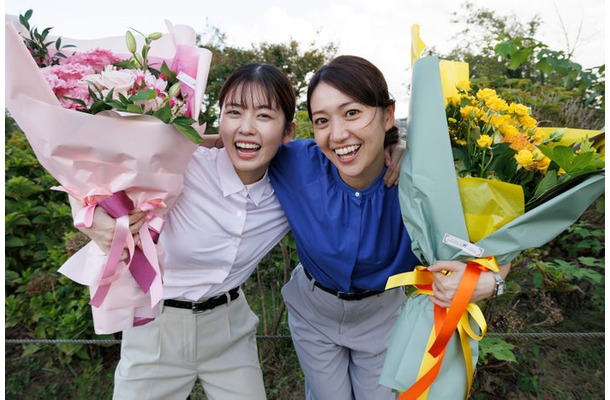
<point>446,321</point>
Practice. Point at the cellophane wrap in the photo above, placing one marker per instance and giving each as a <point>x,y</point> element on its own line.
<point>431,207</point>
<point>96,156</point>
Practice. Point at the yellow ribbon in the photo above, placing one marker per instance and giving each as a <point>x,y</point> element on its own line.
<point>422,279</point>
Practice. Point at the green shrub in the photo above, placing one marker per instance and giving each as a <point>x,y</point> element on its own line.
<point>38,224</point>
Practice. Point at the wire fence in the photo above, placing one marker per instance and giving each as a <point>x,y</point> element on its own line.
<point>516,335</point>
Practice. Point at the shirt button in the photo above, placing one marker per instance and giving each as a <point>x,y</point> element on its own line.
<point>357,194</point>
<point>239,213</point>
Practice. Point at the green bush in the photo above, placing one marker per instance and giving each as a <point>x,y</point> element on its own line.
<point>38,224</point>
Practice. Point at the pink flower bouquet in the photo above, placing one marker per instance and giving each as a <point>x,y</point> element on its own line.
<point>129,154</point>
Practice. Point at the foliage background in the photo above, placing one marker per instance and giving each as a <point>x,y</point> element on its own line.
<point>557,288</point>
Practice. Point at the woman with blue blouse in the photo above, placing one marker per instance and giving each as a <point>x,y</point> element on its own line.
<point>348,230</point>
<point>349,234</point>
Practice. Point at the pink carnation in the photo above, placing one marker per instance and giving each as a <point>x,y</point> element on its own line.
<point>96,58</point>
<point>64,81</point>
<point>68,71</point>
<point>78,92</point>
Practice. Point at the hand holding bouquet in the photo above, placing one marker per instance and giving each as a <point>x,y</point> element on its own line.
<point>113,143</point>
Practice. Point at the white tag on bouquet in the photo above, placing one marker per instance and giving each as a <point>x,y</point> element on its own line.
<point>463,245</point>
<point>187,80</point>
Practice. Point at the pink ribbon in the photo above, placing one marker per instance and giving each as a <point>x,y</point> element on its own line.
<point>84,218</point>
<point>139,321</point>
<point>143,264</point>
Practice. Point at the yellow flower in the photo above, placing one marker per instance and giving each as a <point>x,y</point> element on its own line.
<point>525,158</point>
<point>497,120</point>
<point>484,141</point>
<point>452,120</point>
<point>509,130</point>
<point>464,85</point>
<point>518,109</point>
<point>539,136</point>
<point>468,112</point>
<point>454,101</point>
<point>538,155</point>
<point>496,103</point>
<point>527,121</point>
<point>484,94</point>
<point>543,164</point>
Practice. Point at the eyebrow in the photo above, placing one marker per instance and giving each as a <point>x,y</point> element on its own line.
<point>342,105</point>
<point>241,105</point>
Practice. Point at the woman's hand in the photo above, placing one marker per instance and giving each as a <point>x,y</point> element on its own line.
<point>102,228</point>
<point>447,277</point>
<point>393,160</point>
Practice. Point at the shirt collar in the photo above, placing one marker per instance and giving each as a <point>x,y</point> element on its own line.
<point>259,190</point>
<point>231,184</point>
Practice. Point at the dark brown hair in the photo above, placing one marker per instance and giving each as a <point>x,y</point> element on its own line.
<point>359,79</point>
<point>258,79</point>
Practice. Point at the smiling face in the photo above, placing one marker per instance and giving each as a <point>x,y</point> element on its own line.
<point>350,134</point>
<point>251,129</point>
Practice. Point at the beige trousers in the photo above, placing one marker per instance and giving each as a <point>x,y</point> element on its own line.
<point>162,359</point>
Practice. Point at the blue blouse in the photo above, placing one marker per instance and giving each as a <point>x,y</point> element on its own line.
<point>346,239</point>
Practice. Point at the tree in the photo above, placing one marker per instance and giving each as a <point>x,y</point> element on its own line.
<point>503,53</point>
<point>297,63</point>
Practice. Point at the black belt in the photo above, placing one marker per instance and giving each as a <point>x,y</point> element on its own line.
<point>200,306</point>
<point>357,294</point>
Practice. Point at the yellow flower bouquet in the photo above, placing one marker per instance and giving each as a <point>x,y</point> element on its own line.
<point>515,160</point>
<point>479,183</point>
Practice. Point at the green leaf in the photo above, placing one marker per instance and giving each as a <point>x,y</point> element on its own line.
<point>592,262</point>
<point>123,99</point>
<point>498,348</point>
<point>13,241</point>
<point>184,120</point>
<point>547,183</point>
<point>171,75</point>
<point>99,106</point>
<point>573,164</point>
<point>518,58</point>
<point>189,132</point>
<point>77,101</point>
<point>23,19</point>
<point>143,95</point>
<point>164,113</point>
<point>506,49</point>
<point>30,349</point>
<point>109,95</point>
<point>544,67</point>
<point>126,64</point>
<point>95,96</point>
<point>116,105</point>
<point>134,108</point>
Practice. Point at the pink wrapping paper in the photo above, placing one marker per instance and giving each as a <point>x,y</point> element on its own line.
<point>94,156</point>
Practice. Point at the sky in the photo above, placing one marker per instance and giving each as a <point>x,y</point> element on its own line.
<point>378,30</point>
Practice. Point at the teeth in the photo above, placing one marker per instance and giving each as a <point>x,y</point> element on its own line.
<point>247,146</point>
<point>346,150</point>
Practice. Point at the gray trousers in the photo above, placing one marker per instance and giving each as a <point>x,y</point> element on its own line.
<point>341,344</point>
